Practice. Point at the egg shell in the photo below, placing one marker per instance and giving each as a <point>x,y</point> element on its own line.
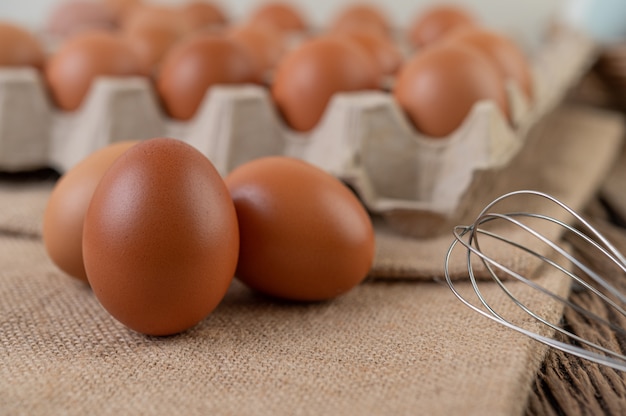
<point>160,238</point>
<point>387,56</point>
<point>151,44</point>
<point>19,47</point>
<point>65,211</point>
<point>72,69</point>
<point>72,17</point>
<point>307,77</point>
<point>200,14</point>
<point>362,15</point>
<point>304,235</point>
<point>282,16</point>
<point>195,64</point>
<point>121,7</point>
<point>438,87</point>
<point>264,44</point>
<point>505,55</point>
<point>436,22</point>
<point>156,15</point>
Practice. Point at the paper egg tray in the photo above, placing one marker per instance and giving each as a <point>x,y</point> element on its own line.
<point>416,183</point>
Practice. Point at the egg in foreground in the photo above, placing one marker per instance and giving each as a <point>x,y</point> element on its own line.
<point>304,235</point>
<point>67,206</point>
<point>160,238</point>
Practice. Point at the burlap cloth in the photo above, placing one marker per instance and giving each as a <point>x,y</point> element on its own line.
<point>395,346</point>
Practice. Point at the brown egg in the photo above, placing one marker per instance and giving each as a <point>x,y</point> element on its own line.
<point>505,55</point>
<point>304,235</point>
<point>439,86</point>
<point>201,14</point>
<point>160,238</point>
<point>71,71</point>
<point>151,15</point>
<point>264,45</point>
<point>194,65</point>
<point>121,7</point>
<point>306,78</point>
<point>151,44</point>
<point>67,205</point>
<point>434,23</point>
<point>72,17</point>
<point>387,56</point>
<point>281,16</point>
<point>19,47</point>
<point>359,16</point>
<point>152,30</point>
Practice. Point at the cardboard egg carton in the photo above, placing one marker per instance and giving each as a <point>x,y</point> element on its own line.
<point>417,183</point>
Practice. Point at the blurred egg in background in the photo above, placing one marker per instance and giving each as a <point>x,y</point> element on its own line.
<point>191,67</point>
<point>72,69</point>
<point>307,78</point>
<point>526,21</point>
<point>74,16</point>
<point>19,47</point>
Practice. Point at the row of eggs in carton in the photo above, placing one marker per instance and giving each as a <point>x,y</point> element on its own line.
<point>364,138</point>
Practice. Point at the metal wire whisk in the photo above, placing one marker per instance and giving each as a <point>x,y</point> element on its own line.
<point>582,276</point>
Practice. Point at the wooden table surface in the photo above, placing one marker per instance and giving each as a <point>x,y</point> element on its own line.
<point>567,385</point>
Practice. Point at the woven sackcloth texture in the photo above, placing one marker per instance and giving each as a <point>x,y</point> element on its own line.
<point>384,348</point>
<point>567,155</point>
<point>22,203</point>
<point>387,347</point>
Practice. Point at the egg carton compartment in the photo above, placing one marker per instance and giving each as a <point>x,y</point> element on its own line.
<point>34,134</point>
<point>417,183</point>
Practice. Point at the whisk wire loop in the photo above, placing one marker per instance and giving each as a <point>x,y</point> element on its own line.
<point>475,231</point>
<point>488,264</point>
<point>468,237</point>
